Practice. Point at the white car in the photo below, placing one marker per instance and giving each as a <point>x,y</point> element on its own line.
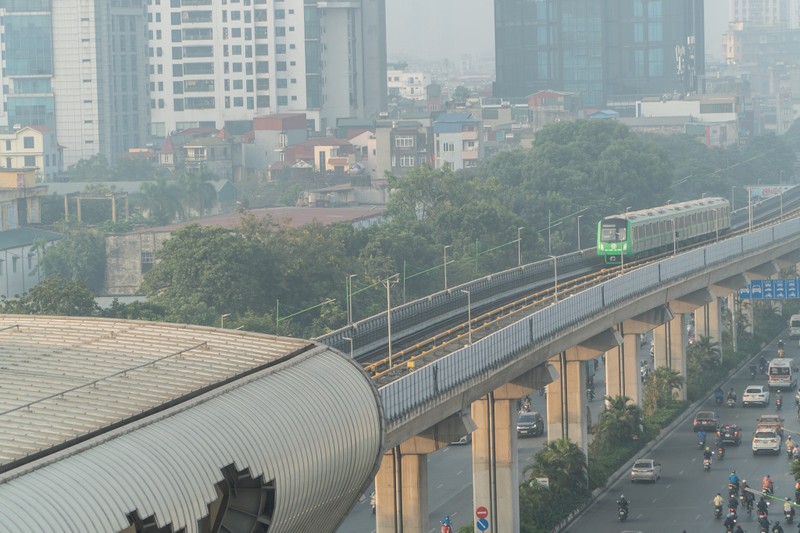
<point>766,440</point>
<point>755,394</point>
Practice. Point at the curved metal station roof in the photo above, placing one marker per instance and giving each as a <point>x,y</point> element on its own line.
<point>152,421</point>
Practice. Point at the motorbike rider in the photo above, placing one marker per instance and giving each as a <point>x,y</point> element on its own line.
<point>718,395</point>
<point>762,364</point>
<point>732,394</point>
<point>733,504</point>
<point>763,506</point>
<point>733,479</point>
<point>778,398</point>
<point>707,453</point>
<point>738,529</point>
<point>447,525</point>
<point>781,345</point>
<point>766,484</point>
<point>718,501</point>
<point>777,528</point>
<point>789,444</point>
<point>753,369</point>
<point>788,507</point>
<point>730,522</point>
<point>797,492</point>
<point>749,497</point>
<point>701,437</point>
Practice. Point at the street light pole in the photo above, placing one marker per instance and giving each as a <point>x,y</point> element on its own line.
<point>549,246</point>
<point>349,287</point>
<point>749,209</point>
<point>716,225</point>
<point>222,320</point>
<point>519,246</point>
<point>733,208</point>
<point>388,282</point>
<point>579,232</point>
<point>781,194</point>
<point>351,345</point>
<point>445,265</point>
<point>469,315</point>
<point>555,277</point>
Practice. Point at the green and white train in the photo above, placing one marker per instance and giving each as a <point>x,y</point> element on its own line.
<point>637,234</point>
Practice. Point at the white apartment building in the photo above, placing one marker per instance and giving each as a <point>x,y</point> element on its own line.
<point>220,63</point>
<point>457,141</point>
<point>408,85</point>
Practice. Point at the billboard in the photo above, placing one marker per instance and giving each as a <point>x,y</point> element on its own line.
<point>771,289</point>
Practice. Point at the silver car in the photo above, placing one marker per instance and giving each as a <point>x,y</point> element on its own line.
<point>645,470</point>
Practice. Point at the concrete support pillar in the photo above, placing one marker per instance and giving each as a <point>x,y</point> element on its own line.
<point>661,346</point>
<point>495,472</point>
<point>708,321</point>
<point>401,485</point>
<point>566,402</point>
<point>677,339</point>
<point>622,370</point>
<point>566,397</point>
<point>387,501</point>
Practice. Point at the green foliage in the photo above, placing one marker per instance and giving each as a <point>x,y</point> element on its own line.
<point>97,168</point>
<point>794,469</point>
<point>658,390</point>
<point>562,462</point>
<point>206,271</point>
<point>54,296</point>
<point>619,425</point>
<point>78,256</point>
<point>135,311</point>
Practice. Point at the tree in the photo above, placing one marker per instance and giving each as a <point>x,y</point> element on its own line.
<point>563,464</point>
<point>95,168</point>
<point>461,94</point>
<point>659,386</point>
<point>161,200</point>
<point>704,354</point>
<point>619,425</point>
<point>54,296</point>
<point>210,270</point>
<point>78,256</point>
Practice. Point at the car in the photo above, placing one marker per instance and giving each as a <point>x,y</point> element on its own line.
<point>705,421</point>
<point>770,422</point>
<point>465,439</point>
<point>755,395</point>
<point>730,434</point>
<point>645,470</point>
<point>530,424</point>
<point>766,440</point>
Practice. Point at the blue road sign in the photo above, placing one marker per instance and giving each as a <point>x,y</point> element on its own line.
<point>765,289</point>
<point>482,524</point>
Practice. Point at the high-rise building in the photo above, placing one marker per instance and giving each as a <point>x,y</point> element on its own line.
<point>610,52</point>
<point>77,67</point>
<point>759,12</point>
<point>220,64</point>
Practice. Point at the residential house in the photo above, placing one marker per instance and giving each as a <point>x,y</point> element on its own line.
<point>33,147</point>
<point>400,147</point>
<point>457,141</point>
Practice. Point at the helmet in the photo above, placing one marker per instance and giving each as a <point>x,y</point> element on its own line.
<point>621,496</point>
<point>708,449</point>
<point>733,471</point>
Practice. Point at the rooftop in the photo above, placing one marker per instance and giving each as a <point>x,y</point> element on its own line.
<point>25,236</point>
<point>68,379</point>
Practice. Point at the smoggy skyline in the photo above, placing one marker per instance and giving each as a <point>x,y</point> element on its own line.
<point>439,29</point>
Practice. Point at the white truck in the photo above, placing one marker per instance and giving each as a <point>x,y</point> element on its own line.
<point>794,326</point>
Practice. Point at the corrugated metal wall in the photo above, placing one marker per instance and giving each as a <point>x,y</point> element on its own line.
<point>313,424</point>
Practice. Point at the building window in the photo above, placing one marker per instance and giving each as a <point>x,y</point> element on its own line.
<point>27,142</point>
<point>147,261</point>
<point>30,160</point>
<point>404,141</point>
<point>407,161</point>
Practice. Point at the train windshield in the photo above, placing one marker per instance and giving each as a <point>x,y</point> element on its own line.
<point>614,230</point>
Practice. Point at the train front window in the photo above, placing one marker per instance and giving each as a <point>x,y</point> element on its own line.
<point>614,231</point>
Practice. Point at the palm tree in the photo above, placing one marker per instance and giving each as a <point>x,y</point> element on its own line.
<point>658,389</point>
<point>620,423</point>
<point>563,463</point>
<point>705,353</point>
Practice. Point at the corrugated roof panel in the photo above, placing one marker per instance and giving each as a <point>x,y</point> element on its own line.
<point>80,375</point>
<point>167,465</point>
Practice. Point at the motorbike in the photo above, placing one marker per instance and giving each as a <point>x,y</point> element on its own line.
<point>733,489</point>
<point>789,453</point>
<point>701,442</point>
<point>788,515</point>
<point>717,511</point>
<point>622,513</point>
<point>372,501</point>
<point>752,372</point>
<point>706,464</point>
<point>778,403</point>
<point>731,402</point>
<point>718,399</point>
<point>590,394</point>
<point>721,452</point>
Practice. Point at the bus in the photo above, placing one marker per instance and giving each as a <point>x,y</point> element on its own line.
<point>794,326</point>
<point>781,374</point>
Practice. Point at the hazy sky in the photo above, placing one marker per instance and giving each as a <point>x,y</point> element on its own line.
<point>436,29</point>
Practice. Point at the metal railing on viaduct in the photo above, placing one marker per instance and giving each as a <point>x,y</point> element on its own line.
<point>443,387</point>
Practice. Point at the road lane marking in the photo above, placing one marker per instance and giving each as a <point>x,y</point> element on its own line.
<point>669,485</point>
<point>459,472</point>
<point>680,473</point>
<point>440,485</point>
